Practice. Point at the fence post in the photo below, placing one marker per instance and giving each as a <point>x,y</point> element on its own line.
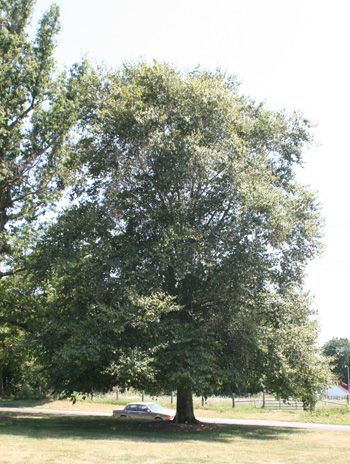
<point>233,400</point>
<point>117,394</point>
<point>143,395</point>
<point>264,400</point>
<point>172,397</point>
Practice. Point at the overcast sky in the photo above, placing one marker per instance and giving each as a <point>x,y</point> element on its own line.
<point>292,54</point>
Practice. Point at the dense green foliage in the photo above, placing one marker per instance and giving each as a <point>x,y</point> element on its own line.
<point>178,261</point>
<point>35,116</point>
<point>338,349</point>
<point>182,265</point>
<point>37,111</point>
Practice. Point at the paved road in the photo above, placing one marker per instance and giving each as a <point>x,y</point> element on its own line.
<point>268,423</point>
<point>259,423</point>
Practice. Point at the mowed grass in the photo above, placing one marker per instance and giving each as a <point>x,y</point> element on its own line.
<point>47,439</point>
<point>216,407</point>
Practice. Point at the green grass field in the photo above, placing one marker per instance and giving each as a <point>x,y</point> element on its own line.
<point>48,439</point>
<point>36,438</point>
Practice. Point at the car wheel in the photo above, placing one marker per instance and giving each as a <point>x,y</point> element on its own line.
<point>122,416</point>
<point>158,418</point>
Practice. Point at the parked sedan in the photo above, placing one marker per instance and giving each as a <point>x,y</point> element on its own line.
<point>145,410</point>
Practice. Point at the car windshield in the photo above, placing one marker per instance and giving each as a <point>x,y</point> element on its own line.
<point>155,407</point>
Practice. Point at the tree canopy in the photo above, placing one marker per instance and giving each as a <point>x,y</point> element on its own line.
<point>182,265</point>
<point>338,349</point>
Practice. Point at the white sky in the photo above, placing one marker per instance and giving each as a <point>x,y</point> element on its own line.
<point>293,54</point>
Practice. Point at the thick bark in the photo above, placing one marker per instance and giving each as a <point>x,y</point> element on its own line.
<point>184,406</point>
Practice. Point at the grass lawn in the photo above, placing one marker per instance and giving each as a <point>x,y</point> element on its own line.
<point>48,439</point>
<point>325,415</point>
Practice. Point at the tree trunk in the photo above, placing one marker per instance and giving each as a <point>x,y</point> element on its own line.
<point>1,382</point>
<point>184,406</point>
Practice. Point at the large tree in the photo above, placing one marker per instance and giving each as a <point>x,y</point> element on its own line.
<point>206,232</point>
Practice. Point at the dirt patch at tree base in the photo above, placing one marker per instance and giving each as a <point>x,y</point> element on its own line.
<point>173,427</point>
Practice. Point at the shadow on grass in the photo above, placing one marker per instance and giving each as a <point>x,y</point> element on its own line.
<point>26,403</point>
<point>102,428</point>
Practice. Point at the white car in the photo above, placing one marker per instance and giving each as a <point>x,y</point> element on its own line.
<point>145,410</point>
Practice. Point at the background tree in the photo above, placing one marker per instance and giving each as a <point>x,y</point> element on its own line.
<point>37,111</point>
<point>17,314</point>
<point>339,350</point>
<point>204,248</point>
<point>9,365</point>
<point>36,114</point>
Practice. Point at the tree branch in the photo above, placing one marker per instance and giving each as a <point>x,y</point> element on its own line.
<point>12,272</point>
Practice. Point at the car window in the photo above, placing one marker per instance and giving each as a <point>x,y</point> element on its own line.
<point>143,408</point>
<point>131,407</point>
